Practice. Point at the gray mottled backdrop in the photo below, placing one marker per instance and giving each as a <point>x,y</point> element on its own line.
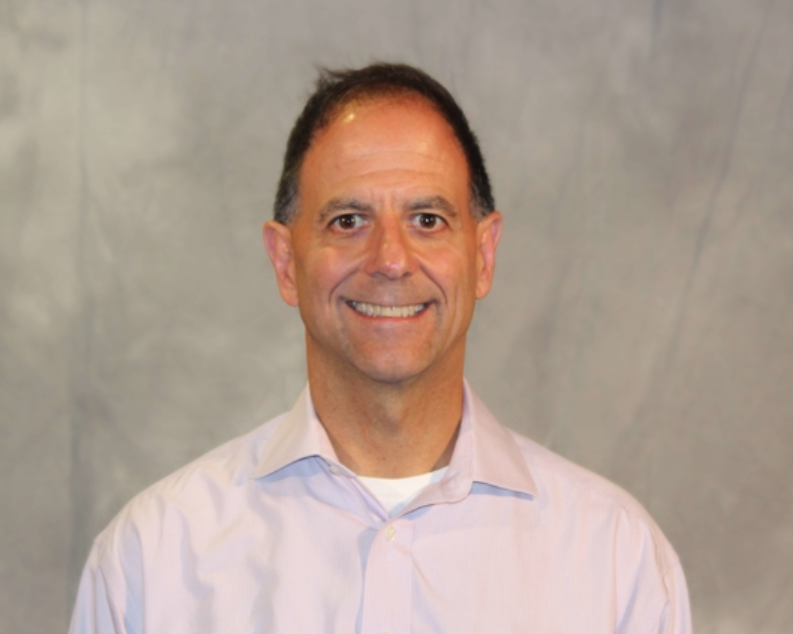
<point>642,319</point>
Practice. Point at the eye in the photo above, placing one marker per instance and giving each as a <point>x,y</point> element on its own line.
<point>347,222</point>
<point>428,221</point>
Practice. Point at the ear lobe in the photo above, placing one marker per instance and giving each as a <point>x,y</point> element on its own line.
<point>278,242</point>
<point>488,235</point>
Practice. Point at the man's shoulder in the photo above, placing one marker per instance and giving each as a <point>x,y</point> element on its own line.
<point>230,464</point>
<point>561,487</point>
<point>587,498</point>
<point>200,487</point>
<point>597,520</point>
<point>556,474</point>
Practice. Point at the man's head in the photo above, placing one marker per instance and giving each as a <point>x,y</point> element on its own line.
<point>385,258</point>
<point>335,89</point>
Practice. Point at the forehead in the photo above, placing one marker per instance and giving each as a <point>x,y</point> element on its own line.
<point>401,141</point>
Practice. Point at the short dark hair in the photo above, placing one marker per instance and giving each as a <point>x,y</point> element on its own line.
<point>336,88</point>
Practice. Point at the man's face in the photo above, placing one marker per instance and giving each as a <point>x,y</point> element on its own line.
<point>385,260</point>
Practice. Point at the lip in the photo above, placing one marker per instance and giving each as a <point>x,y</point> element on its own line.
<point>388,311</point>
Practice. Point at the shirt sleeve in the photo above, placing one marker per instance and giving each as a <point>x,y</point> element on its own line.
<point>677,614</point>
<point>652,591</point>
<point>98,609</point>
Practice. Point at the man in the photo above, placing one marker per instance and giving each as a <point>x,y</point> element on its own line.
<point>388,499</point>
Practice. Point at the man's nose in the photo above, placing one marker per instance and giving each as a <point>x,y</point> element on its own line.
<point>391,252</point>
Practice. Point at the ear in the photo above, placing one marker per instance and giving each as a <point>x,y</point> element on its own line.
<point>278,242</point>
<point>488,233</point>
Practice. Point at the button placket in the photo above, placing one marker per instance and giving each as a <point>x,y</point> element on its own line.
<point>389,580</point>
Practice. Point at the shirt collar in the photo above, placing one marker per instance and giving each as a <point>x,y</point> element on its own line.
<point>485,451</point>
<point>299,435</point>
<point>495,457</point>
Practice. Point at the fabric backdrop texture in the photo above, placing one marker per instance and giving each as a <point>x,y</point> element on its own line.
<point>641,322</point>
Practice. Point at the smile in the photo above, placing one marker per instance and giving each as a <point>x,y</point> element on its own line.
<point>375,310</point>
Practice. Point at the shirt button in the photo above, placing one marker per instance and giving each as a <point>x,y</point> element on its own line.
<point>334,469</point>
<point>390,533</point>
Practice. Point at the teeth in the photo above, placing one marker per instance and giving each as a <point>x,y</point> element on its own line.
<point>375,310</point>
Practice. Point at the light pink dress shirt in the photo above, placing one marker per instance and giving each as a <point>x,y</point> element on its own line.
<point>270,533</point>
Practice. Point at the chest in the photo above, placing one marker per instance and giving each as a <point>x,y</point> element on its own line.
<point>489,564</point>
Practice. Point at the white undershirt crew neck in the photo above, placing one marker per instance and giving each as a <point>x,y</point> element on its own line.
<point>396,493</point>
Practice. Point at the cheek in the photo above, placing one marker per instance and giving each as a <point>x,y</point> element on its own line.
<point>321,274</point>
<point>454,268</point>
<point>456,278</point>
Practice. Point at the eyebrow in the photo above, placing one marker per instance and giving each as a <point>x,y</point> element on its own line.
<point>349,204</point>
<point>432,202</point>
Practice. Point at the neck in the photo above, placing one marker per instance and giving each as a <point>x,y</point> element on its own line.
<point>389,430</point>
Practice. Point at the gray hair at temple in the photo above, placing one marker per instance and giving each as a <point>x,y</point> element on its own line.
<point>336,88</point>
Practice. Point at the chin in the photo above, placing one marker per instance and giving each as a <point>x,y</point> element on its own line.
<point>390,370</point>
<point>390,375</point>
